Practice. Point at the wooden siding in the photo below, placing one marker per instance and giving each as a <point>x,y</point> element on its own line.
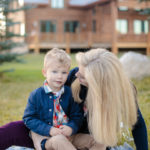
<point>105,35</point>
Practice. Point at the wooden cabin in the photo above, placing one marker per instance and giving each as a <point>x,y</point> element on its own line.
<point>74,24</point>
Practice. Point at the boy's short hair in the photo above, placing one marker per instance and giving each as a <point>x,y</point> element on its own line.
<point>59,55</point>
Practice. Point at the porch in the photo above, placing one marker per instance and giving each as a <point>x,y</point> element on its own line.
<point>85,40</point>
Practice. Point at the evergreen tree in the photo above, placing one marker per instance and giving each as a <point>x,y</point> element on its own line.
<point>6,35</point>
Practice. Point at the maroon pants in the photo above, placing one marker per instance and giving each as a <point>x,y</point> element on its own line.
<point>14,133</point>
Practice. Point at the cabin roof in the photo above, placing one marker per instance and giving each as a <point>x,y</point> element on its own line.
<point>85,3</point>
<point>80,3</point>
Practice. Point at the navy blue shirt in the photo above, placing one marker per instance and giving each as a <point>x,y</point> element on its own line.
<point>139,130</point>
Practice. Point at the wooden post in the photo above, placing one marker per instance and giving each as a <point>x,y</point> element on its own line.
<point>114,15</point>
<point>148,44</point>
<point>36,44</point>
<point>148,41</point>
<point>90,39</point>
<point>68,42</point>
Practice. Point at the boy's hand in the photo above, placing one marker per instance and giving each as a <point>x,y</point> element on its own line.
<point>66,130</point>
<point>55,131</point>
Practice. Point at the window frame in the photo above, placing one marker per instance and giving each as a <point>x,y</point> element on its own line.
<point>57,4</point>
<point>143,26</point>
<point>94,26</point>
<point>72,26</point>
<point>120,23</point>
<point>50,26</point>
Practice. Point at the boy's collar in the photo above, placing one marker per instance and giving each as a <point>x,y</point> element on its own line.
<point>47,89</point>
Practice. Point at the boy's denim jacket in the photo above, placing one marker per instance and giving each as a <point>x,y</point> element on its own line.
<point>38,115</point>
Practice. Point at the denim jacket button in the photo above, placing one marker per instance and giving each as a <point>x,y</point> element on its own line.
<point>50,97</point>
<point>50,110</point>
<point>49,123</point>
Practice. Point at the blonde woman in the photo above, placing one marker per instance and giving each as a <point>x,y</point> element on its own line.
<point>108,98</point>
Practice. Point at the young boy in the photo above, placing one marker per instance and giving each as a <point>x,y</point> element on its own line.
<point>51,113</point>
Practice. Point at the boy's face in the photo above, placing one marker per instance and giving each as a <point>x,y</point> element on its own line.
<point>56,75</point>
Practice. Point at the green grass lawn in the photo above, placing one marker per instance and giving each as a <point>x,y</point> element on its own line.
<point>16,86</point>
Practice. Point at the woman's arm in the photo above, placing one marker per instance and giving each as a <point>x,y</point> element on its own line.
<point>139,130</point>
<point>139,133</point>
<point>71,76</point>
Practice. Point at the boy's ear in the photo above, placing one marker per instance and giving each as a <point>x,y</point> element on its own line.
<point>44,72</point>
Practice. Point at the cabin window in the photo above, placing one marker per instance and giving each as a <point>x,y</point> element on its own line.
<point>122,26</point>
<point>93,11</point>
<point>140,26</point>
<point>22,28</point>
<point>123,8</point>
<point>94,25</point>
<point>57,3</point>
<point>21,2</point>
<point>138,9</point>
<point>2,23</point>
<point>48,26</point>
<point>71,26</point>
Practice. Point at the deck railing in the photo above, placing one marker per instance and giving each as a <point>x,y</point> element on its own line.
<point>72,40</point>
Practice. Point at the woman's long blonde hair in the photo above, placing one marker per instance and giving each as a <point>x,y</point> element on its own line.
<point>110,98</point>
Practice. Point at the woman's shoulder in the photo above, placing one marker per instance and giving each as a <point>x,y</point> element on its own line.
<point>67,89</point>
